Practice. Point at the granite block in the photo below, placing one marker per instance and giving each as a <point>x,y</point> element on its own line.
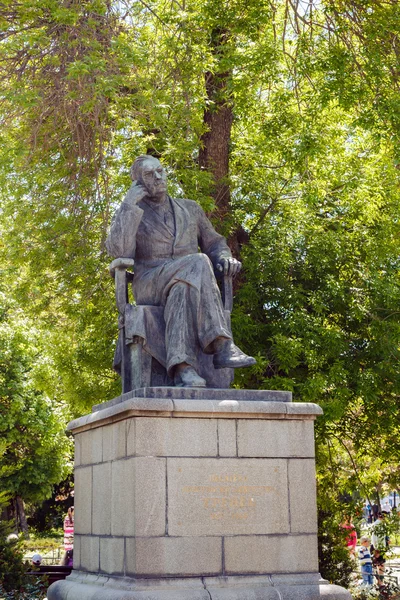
<point>227,496</point>
<point>174,556</point>
<point>91,447</point>
<point>77,448</point>
<point>131,407</point>
<point>271,554</point>
<point>263,438</point>
<point>304,408</point>
<point>112,555</point>
<point>101,518</point>
<point>83,500</point>
<point>77,551</point>
<point>131,436</point>
<point>302,496</point>
<point>138,496</point>
<point>90,553</point>
<point>228,408</point>
<point>227,443</point>
<point>173,437</point>
<point>114,441</point>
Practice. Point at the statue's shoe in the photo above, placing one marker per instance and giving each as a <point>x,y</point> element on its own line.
<point>230,356</point>
<point>188,377</point>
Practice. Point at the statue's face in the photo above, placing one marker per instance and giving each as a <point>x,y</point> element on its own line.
<point>154,178</point>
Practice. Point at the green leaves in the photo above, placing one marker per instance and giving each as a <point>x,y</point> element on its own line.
<point>35,454</point>
<point>313,179</point>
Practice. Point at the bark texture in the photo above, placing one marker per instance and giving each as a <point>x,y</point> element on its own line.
<point>214,151</point>
<point>22,516</point>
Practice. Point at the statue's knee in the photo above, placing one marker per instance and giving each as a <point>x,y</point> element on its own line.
<point>204,261</point>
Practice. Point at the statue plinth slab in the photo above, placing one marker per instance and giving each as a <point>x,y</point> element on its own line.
<point>181,393</point>
<point>195,498</point>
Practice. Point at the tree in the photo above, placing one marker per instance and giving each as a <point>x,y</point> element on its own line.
<point>36,453</point>
<point>280,116</point>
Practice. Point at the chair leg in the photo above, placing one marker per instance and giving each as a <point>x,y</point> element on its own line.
<point>140,362</point>
<point>126,370</point>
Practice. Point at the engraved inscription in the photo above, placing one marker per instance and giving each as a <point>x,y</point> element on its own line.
<point>231,499</point>
<point>227,496</point>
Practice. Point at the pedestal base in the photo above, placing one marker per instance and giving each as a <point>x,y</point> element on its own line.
<point>86,586</point>
<point>196,495</point>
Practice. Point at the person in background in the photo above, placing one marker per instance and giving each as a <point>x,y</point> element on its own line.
<point>69,530</point>
<point>379,547</point>
<point>351,538</point>
<point>68,537</point>
<point>369,509</point>
<point>36,560</point>
<point>364,556</point>
<point>386,508</point>
<point>375,511</point>
<point>68,559</point>
<point>367,513</point>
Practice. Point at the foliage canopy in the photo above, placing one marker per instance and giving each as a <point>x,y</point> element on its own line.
<point>282,117</point>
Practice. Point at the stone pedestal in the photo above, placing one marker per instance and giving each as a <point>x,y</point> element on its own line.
<point>207,497</point>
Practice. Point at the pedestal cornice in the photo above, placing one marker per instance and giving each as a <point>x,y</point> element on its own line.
<point>223,404</point>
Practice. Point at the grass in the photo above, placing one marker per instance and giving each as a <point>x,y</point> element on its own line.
<point>48,545</point>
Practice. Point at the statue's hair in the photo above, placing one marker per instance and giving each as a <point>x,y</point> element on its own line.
<point>136,168</point>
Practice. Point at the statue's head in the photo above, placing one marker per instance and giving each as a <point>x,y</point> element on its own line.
<point>149,172</point>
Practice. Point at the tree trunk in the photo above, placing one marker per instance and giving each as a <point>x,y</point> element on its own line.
<point>214,152</point>
<point>378,497</point>
<point>21,516</point>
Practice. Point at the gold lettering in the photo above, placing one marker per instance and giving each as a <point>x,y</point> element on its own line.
<point>228,496</point>
<point>217,516</point>
<point>228,478</point>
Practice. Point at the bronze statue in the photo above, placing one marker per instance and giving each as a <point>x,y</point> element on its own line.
<point>163,236</point>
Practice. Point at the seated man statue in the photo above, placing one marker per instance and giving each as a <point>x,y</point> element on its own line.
<point>163,235</point>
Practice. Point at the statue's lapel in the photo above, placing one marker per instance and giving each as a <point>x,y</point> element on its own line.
<point>181,220</point>
<point>152,221</point>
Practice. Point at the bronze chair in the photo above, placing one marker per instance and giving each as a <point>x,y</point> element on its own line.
<point>140,352</point>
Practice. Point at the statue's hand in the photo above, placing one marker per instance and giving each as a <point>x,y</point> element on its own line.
<point>229,266</point>
<point>135,194</point>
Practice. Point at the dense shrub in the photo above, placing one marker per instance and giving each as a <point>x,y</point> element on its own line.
<point>335,563</point>
<point>390,591</point>
<point>12,568</point>
<point>33,590</point>
<point>15,582</point>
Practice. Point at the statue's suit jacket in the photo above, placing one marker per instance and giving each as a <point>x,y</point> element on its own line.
<point>138,232</point>
<point>162,257</point>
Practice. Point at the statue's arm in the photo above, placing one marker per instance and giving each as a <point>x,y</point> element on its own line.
<point>214,245</point>
<point>211,243</point>
<point>121,240</point>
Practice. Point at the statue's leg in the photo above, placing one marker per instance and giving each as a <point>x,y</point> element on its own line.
<point>203,300</point>
<point>194,316</point>
<point>180,334</point>
<point>193,312</point>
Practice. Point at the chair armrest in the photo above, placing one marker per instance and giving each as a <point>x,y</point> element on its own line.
<point>118,270</point>
<point>120,263</point>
